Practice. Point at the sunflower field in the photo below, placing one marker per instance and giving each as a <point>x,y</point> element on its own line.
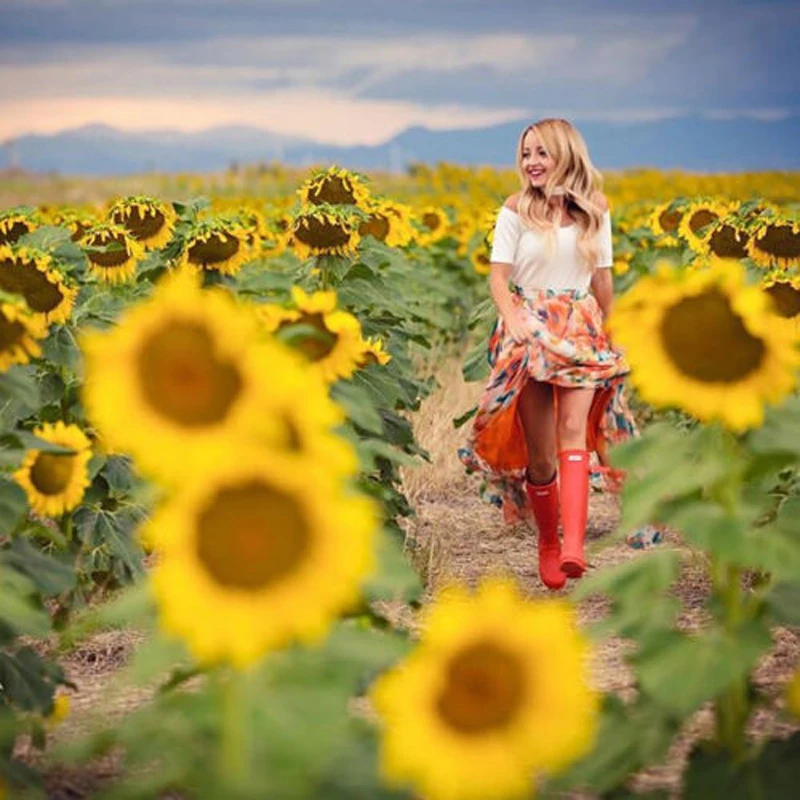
<point>208,395</point>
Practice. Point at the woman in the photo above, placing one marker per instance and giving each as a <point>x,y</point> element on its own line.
<point>555,395</point>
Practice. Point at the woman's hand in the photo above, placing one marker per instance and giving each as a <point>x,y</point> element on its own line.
<point>518,327</point>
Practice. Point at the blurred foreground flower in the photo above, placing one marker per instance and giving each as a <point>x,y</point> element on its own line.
<point>707,342</point>
<point>494,694</point>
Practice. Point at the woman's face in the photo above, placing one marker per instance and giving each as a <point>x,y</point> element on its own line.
<point>536,163</point>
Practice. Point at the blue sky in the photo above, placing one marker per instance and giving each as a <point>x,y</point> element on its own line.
<point>355,72</point>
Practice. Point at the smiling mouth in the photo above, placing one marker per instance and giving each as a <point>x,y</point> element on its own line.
<point>536,173</point>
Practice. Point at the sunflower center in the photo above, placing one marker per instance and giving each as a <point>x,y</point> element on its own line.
<point>183,378</point>
<point>484,689</point>
<point>701,218</point>
<point>10,333</point>
<point>51,472</point>
<point>14,231</point>
<point>706,340</point>
<point>377,225</point>
<point>333,190</point>
<point>251,536</point>
<point>321,344</point>
<point>779,241</point>
<point>214,251</point>
<point>723,243</point>
<point>141,227</point>
<point>322,234</point>
<point>431,221</point>
<point>17,277</point>
<point>787,299</point>
<point>669,220</point>
<point>115,256</point>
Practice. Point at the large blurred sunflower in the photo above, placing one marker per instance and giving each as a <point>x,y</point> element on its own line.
<point>33,274</point>
<point>335,186</point>
<point>216,244</point>
<point>705,341</point>
<point>482,707</point>
<point>185,375</point>
<point>325,231</point>
<point>267,549</point>
<point>55,482</point>
<point>146,220</point>
<point>112,253</point>
<point>19,332</point>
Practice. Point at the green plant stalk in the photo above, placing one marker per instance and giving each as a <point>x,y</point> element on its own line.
<point>234,746</point>
<point>732,709</point>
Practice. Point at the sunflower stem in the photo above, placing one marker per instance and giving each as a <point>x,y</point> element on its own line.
<point>234,752</point>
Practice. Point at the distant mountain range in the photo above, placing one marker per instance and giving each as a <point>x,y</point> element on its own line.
<point>687,142</point>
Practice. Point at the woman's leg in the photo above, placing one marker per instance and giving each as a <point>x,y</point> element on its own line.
<point>573,467</point>
<point>537,415</point>
<point>536,409</point>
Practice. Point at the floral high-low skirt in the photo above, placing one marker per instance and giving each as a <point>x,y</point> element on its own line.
<point>570,349</point>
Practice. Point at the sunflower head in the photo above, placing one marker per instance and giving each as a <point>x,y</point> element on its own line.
<point>495,703</point>
<point>148,221</point>
<point>16,222</point>
<point>776,241</point>
<point>707,342</point>
<point>665,219</point>
<point>433,224</point>
<point>335,186</point>
<point>112,253</point>
<point>481,260</point>
<point>725,238</point>
<point>76,220</point>
<point>33,274</point>
<point>255,556</point>
<point>20,331</point>
<point>219,244</point>
<point>55,481</point>
<point>698,216</point>
<point>325,230</point>
<point>388,222</point>
<point>374,353</point>
<point>783,289</point>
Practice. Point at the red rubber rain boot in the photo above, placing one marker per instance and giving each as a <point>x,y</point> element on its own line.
<point>573,468</point>
<point>544,504</point>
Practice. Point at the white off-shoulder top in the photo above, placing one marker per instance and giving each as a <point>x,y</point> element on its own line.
<point>524,249</point>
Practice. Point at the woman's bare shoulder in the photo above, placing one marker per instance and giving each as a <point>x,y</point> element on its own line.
<point>598,198</point>
<point>511,202</point>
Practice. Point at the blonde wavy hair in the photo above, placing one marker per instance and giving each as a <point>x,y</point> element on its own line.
<point>574,176</point>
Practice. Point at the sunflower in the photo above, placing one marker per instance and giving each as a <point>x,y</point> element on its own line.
<point>267,549</point>
<point>146,220</point>
<point>776,242</point>
<point>325,231</point>
<point>388,223</point>
<point>433,224</point>
<point>32,273</point>
<point>665,219</point>
<point>112,253</point>
<point>335,186</point>
<point>487,224</point>
<point>19,330</point>
<point>77,221</point>
<point>622,263</point>
<point>705,341</point>
<point>334,343</point>
<point>55,482</point>
<point>481,706</point>
<point>374,353</point>
<point>784,289</point>
<point>700,213</point>
<point>186,373</point>
<point>481,260</point>
<point>725,238</point>
<point>216,244</point>
<point>16,222</point>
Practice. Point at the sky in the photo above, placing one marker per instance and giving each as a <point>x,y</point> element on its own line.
<point>352,72</point>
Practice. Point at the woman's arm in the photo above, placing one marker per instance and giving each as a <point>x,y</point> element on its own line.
<point>603,290</point>
<point>513,319</point>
